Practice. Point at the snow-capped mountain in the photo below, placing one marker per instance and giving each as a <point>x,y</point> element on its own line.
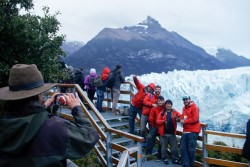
<point>69,47</point>
<point>228,57</point>
<point>222,95</point>
<point>143,48</point>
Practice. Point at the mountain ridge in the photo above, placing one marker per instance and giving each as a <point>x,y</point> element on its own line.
<point>143,48</point>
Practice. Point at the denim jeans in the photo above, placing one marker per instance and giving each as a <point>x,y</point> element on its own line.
<point>153,132</point>
<point>100,97</point>
<point>188,148</point>
<point>132,115</point>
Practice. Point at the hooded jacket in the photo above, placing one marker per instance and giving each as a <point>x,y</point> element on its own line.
<point>37,139</point>
<point>87,79</point>
<point>137,100</point>
<point>105,75</point>
<point>190,114</point>
<point>148,102</point>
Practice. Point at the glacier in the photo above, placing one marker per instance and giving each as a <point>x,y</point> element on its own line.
<point>222,95</point>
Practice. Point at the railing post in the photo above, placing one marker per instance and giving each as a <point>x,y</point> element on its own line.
<point>204,150</point>
<point>109,150</point>
<point>139,154</point>
<point>109,97</point>
<point>128,162</point>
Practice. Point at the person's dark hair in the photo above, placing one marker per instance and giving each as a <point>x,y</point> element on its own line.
<point>158,86</point>
<point>118,67</point>
<point>160,98</point>
<point>20,105</point>
<point>169,102</point>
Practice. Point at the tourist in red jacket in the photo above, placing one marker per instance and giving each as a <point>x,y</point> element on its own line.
<point>149,101</point>
<point>167,125</point>
<point>137,101</point>
<point>191,130</point>
<point>153,127</point>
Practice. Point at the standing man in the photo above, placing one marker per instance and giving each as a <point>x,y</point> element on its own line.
<point>118,79</point>
<point>149,101</point>
<point>79,78</point>
<point>167,125</point>
<point>191,130</point>
<point>137,102</point>
<point>153,127</point>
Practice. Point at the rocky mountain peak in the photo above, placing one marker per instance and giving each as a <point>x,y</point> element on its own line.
<point>150,24</point>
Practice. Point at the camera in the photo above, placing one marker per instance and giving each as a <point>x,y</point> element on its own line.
<point>177,119</point>
<point>60,100</point>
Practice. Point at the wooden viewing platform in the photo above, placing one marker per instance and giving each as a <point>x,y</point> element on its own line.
<point>119,148</point>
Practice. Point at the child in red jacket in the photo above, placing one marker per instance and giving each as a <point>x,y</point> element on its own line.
<point>167,124</point>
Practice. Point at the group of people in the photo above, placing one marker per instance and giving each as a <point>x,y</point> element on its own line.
<point>88,84</point>
<point>32,136</point>
<point>115,84</point>
<point>162,119</point>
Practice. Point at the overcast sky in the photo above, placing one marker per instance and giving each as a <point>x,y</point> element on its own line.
<point>206,23</point>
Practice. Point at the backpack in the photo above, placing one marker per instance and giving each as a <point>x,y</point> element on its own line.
<point>91,82</point>
<point>78,78</point>
<point>111,80</point>
<point>98,81</point>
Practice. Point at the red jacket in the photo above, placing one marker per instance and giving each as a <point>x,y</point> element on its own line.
<point>137,100</point>
<point>153,115</point>
<point>148,101</point>
<point>161,118</point>
<point>191,123</point>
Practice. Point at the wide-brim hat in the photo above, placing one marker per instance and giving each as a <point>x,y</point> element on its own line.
<point>24,81</point>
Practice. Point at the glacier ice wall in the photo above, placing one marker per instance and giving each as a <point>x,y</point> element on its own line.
<point>223,96</point>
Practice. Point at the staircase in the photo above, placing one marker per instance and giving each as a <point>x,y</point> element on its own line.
<point>119,148</point>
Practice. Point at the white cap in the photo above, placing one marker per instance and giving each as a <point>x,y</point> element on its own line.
<point>92,71</point>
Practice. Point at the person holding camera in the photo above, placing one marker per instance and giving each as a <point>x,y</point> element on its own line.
<point>167,125</point>
<point>31,136</point>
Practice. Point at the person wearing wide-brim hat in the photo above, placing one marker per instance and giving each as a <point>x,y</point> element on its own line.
<point>29,135</point>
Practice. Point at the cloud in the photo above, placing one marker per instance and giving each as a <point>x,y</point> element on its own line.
<point>206,23</point>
